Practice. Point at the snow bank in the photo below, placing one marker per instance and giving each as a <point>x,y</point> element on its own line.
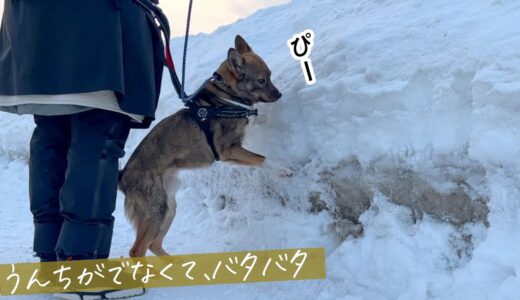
<point>406,152</point>
<point>416,104</point>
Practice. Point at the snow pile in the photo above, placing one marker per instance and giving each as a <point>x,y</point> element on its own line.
<point>406,153</point>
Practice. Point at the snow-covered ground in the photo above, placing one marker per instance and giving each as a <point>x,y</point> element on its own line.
<point>406,155</point>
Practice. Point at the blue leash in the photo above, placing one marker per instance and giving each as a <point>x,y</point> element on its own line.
<point>185,54</point>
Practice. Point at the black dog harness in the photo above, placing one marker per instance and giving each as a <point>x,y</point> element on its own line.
<point>234,108</point>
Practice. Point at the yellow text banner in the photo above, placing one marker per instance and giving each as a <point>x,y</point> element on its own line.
<point>166,271</point>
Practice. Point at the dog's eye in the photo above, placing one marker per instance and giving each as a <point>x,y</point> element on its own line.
<point>261,81</point>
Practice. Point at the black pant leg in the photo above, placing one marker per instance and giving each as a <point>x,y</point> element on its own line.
<point>88,196</point>
<point>49,146</point>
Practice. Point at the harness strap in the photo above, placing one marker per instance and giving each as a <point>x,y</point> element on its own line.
<point>202,117</point>
<point>235,103</point>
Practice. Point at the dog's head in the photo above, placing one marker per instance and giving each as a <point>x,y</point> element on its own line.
<point>248,75</point>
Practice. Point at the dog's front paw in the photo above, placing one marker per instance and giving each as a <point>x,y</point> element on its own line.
<point>277,169</point>
<point>285,173</point>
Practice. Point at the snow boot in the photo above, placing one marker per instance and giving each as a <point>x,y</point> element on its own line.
<point>103,294</point>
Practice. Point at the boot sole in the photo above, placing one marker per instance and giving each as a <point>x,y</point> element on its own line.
<point>121,294</point>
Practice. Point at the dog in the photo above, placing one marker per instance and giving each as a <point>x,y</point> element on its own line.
<point>178,142</point>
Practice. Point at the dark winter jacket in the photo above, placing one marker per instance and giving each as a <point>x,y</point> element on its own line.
<point>78,46</point>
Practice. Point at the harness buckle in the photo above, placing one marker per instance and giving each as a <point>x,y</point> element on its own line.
<point>203,114</point>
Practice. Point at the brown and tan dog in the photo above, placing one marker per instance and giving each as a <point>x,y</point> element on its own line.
<point>178,142</point>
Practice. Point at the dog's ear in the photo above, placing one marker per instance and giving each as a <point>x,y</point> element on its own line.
<point>236,63</point>
<point>241,45</point>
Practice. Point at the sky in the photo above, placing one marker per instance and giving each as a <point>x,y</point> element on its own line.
<point>208,15</point>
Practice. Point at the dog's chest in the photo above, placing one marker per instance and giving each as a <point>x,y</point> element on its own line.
<point>231,131</point>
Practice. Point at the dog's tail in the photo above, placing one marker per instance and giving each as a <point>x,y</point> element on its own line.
<point>120,175</point>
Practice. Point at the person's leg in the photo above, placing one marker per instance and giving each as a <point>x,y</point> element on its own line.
<point>49,145</point>
<point>88,196</point>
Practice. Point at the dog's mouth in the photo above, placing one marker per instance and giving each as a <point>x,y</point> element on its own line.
<point>271,98</point>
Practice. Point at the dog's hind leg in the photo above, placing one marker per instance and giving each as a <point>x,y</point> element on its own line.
<point>147,208</point>
<point>143,240</point>
<point>170,183</point>
<point>157,244</point>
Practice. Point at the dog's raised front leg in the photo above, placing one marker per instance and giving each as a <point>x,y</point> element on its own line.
<point>239,155</point>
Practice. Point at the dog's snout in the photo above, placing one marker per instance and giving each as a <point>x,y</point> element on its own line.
<point>278,95</point>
